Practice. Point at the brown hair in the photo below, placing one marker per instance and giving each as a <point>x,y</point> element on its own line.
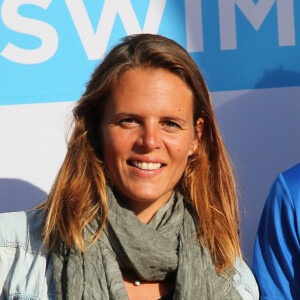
<point>78,193</point>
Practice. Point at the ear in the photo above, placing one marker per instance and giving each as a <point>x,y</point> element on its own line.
<point>197,137</point>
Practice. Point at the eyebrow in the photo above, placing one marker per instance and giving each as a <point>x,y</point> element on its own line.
<point>173,118</point>
<point>132,115</point>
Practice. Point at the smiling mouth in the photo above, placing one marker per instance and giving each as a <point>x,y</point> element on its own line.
<point>145,165</point>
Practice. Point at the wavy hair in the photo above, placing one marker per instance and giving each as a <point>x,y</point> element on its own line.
<point>78,193</point>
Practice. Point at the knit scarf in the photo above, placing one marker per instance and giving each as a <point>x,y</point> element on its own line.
<point>166,246</point>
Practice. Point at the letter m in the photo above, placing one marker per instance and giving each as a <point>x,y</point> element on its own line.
<point>255,14</point>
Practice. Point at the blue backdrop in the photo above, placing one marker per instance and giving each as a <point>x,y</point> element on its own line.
<point>48,49</point>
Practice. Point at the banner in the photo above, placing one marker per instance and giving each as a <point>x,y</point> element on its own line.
<point>49,48</point>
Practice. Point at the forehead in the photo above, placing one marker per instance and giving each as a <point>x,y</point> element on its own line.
<point>156,78</point>
<point>152,88</point>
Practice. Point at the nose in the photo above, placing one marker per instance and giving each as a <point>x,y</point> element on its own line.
<point>150,137</point>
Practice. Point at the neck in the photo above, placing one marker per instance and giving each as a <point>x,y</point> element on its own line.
<point>145,210</point>
<point>145,214</point>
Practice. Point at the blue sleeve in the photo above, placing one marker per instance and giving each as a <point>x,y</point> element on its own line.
<point>276,257</point>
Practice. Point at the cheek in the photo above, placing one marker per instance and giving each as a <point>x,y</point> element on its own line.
<point>110,142</point>
<point>110,149</point>
<point>111,159</point>
<point>182,148</point>
<point>179,158</point>
<point>115,147</point>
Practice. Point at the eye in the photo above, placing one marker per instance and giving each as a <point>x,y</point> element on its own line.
<point>128,122</point>
<point>171,125</point>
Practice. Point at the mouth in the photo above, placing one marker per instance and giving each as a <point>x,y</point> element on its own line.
<point>145,165</point>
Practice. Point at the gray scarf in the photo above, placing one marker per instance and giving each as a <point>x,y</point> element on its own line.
<point>166,246</point>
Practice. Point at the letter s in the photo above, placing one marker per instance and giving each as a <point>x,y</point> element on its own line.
<point>42,30</point>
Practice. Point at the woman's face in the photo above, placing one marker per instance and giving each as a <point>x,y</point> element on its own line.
<point>148,134</point>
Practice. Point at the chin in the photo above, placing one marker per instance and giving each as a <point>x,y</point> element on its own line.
<point>143,196</point>
<point>148,195</point>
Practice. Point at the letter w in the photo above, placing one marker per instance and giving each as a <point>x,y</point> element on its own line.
<point>256,13</point>
<point>95,44</point>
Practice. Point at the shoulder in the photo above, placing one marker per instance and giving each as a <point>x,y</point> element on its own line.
<point>285,191</point>
<point>244,281</point>
<point>281,213</point>
<point>291,181</point>
<point>21,229</point>
<point>26,270</point>
<point>292,175</point>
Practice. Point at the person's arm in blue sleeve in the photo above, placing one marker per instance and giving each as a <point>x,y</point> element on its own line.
<point>276,258</point>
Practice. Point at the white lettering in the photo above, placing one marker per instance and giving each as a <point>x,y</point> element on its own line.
<point>95,44</point>
<point>194,27</point>
<point>42,30</point>
<point>255,14</point>
<point>286,23</point>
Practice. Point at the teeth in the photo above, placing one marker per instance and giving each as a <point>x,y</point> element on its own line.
<point>146,166</point>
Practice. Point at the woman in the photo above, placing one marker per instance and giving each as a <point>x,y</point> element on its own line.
<point>144,205</point>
